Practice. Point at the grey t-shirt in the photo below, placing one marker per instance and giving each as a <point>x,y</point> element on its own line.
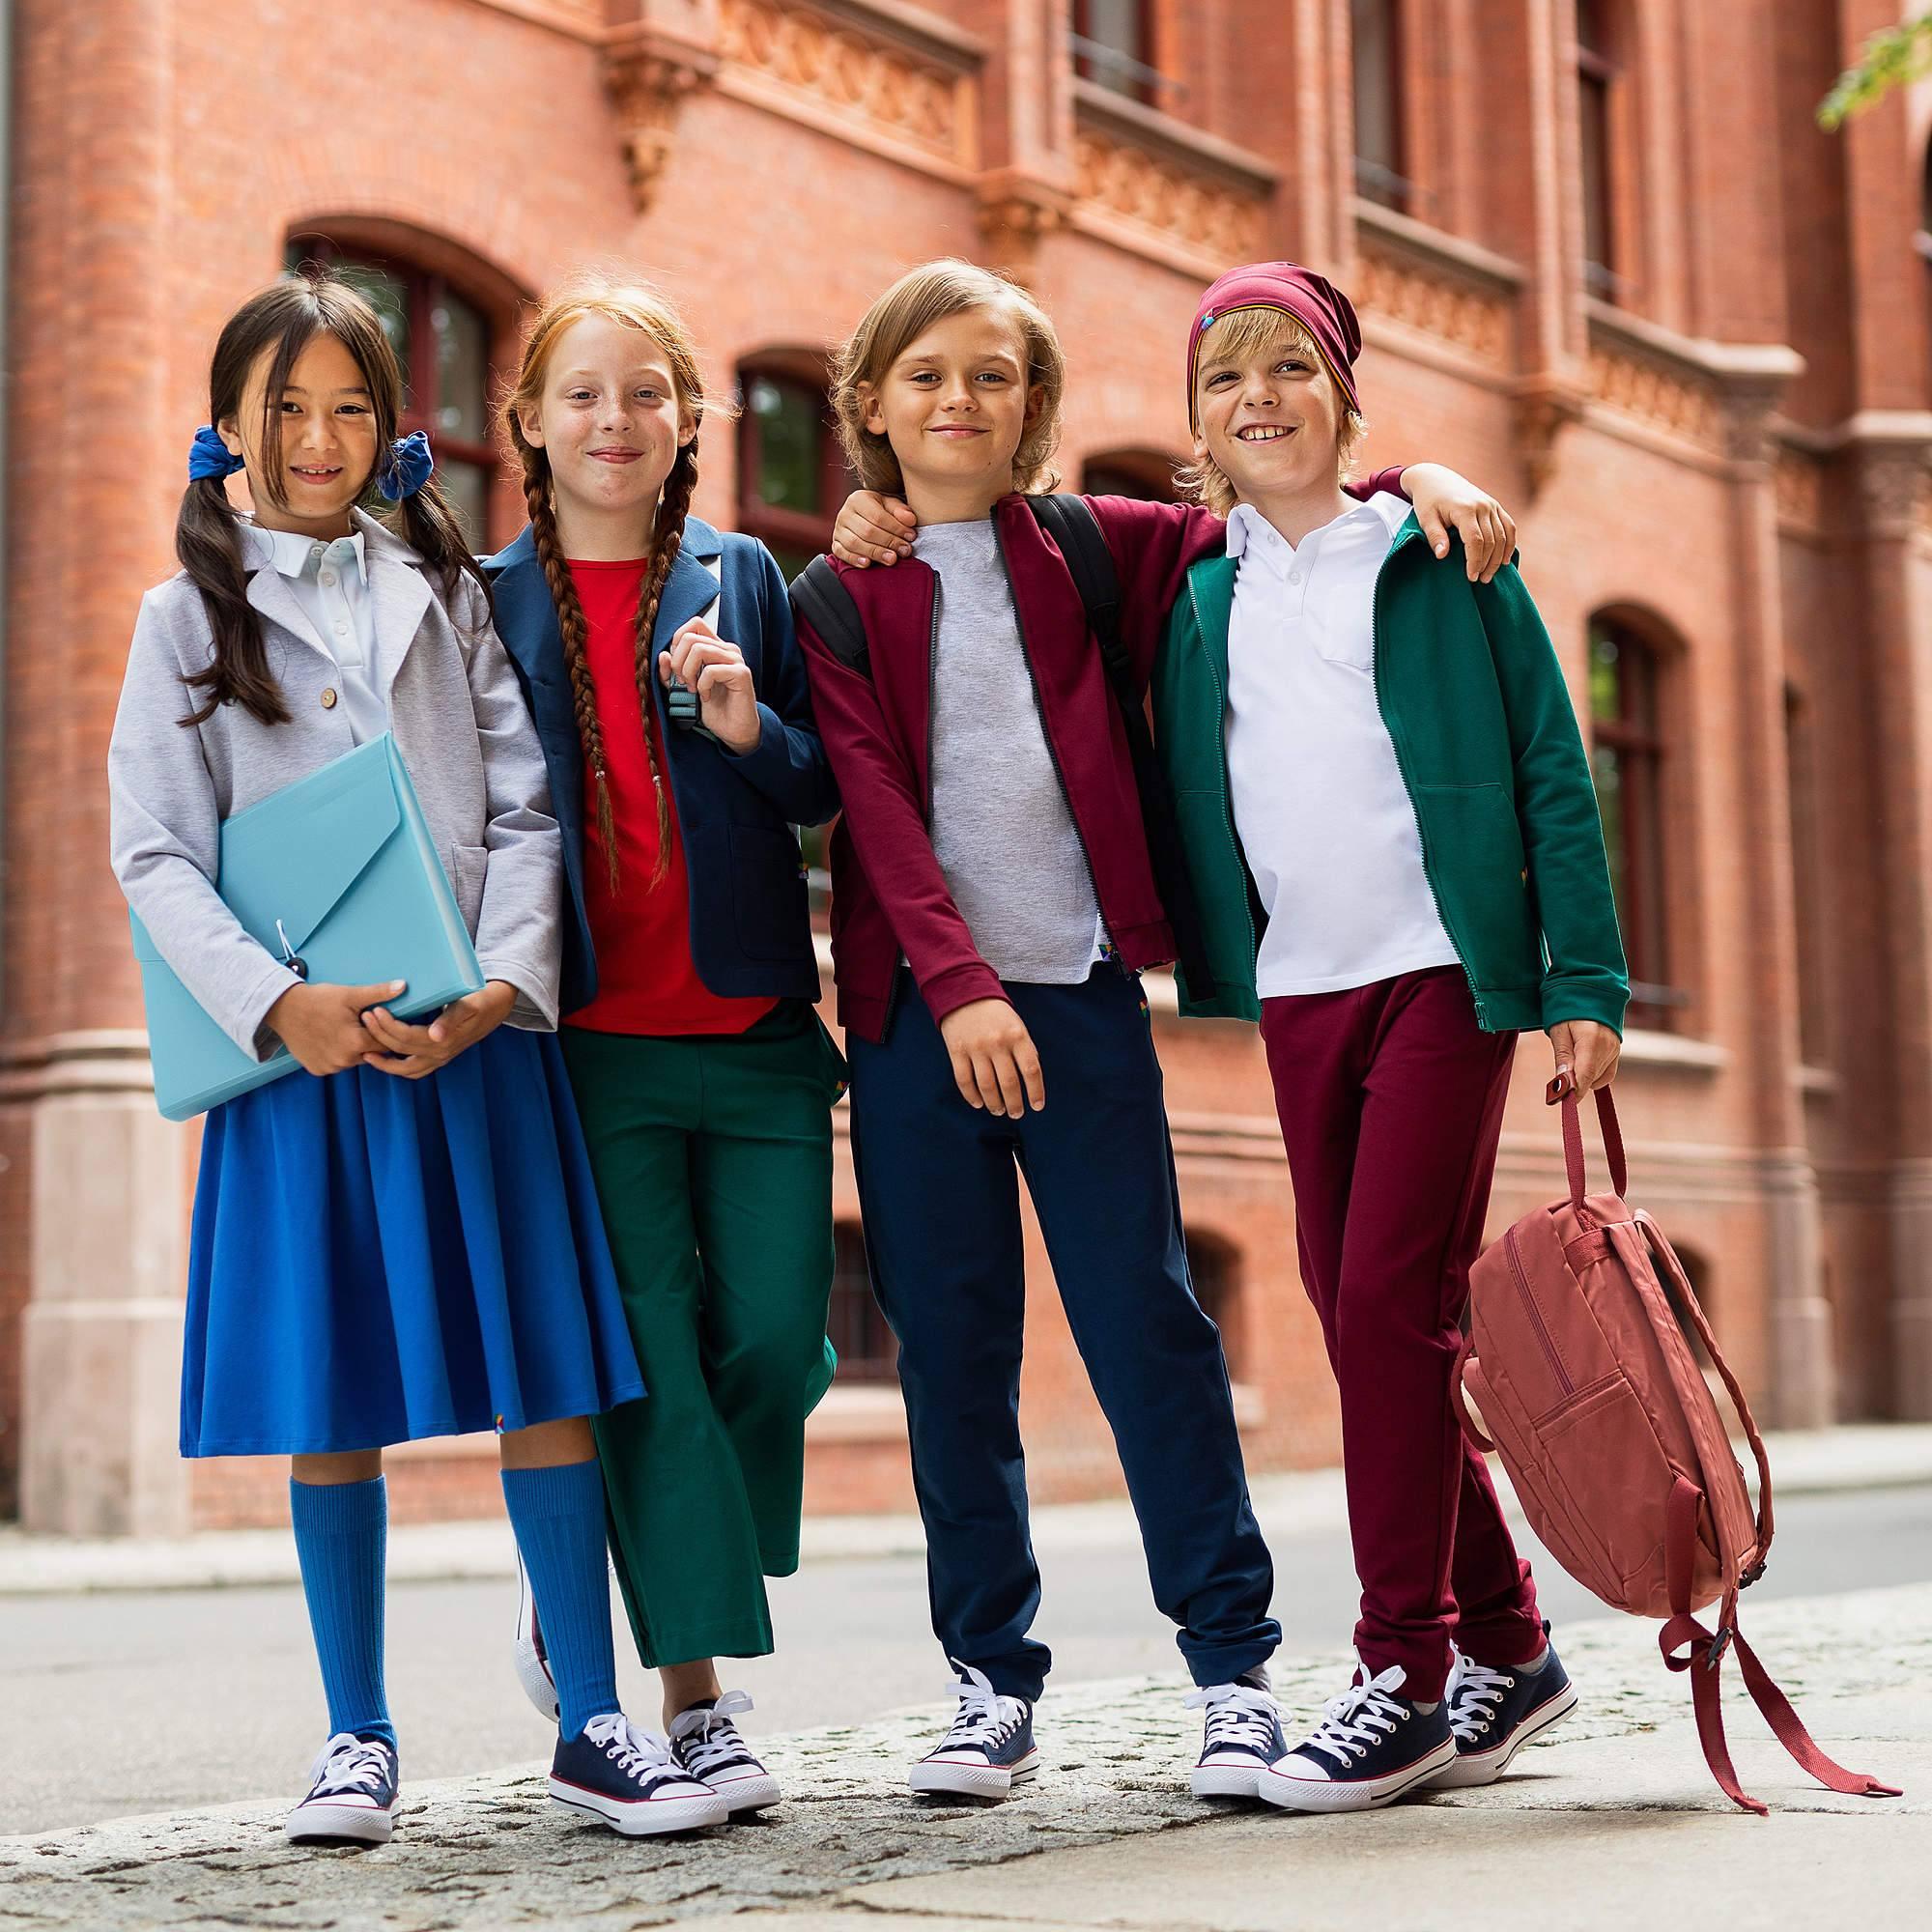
<point>1001,827</point>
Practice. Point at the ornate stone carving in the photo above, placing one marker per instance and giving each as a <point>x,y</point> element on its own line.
<point>648,78</point>
<point>1892,482</point>
<point>1015,211</point>
<point>830,69</point>
<point>1439,304</point>
<point>1798,484</point>
<point>1541,410</point>
<point>1165,200</point>
<point>1636,386</point>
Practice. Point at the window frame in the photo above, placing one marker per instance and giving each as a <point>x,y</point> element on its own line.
<point>1394,189</point>
<point>777,526</point>
<point>1602,74</point>
<point>1134,75</point>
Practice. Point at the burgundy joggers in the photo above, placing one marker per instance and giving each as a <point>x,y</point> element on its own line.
<point>1391,1104</point>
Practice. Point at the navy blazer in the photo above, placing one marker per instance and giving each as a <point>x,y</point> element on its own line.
<point>750,929</point>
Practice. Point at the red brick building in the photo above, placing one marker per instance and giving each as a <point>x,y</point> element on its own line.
<point>1606,265</point>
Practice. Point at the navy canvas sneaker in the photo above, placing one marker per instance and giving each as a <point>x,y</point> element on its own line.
<point>1241,1737</point>
<point>630,1781</point>
<point>989,1749</point>
<point>706,1743</point>
<point>351,1794</point>
<point>527,1655</point>
<point>1494,1713</point>
<point>1370,1748</point>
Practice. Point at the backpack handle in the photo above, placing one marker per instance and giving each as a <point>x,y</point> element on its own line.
<point>1573,1141</point>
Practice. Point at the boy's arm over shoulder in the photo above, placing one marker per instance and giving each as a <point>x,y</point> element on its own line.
<point>885,818</point>
<point>1586,977</point>
<point>519,931</point>
<point>164,825</point>
<point>788,763</point>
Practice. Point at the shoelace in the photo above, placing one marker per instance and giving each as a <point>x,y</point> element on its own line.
<point>1475,1693</point>
<point>348,1763</point>
<point>1237,1714</point>
<point>1363,1715</point>
<point>707,1737</point>
<point>642,1756</point>
<point>984,1719</point>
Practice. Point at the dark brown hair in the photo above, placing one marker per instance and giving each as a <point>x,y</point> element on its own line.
<point>285,319</point>
<point>637,305</point>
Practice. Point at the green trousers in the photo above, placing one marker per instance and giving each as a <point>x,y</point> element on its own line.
<point>713,1157</point>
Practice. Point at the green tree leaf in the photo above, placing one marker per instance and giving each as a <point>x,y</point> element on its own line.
<point>1893,58</point>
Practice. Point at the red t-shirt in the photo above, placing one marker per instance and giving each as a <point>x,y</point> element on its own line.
<point>647,979</point>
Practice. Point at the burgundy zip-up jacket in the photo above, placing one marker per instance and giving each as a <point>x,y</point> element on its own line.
<point>888,893</point>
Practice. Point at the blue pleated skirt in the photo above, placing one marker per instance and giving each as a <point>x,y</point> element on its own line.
<point>375,1260</point>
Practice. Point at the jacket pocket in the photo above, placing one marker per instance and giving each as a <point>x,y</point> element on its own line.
<point>469,870</point>
<point>768,895</point>
<point>1475,843</point>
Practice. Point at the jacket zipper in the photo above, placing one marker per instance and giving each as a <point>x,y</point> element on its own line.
<point>931,690</point>
<point>1039,711</point>
<point>1226,789</point>
<point>1409,786</point>
<point>1535,1314</point>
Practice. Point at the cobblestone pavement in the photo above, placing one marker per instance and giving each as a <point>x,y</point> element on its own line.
<point>493,1852</point>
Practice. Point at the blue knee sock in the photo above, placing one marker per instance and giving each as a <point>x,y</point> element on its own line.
<point>558,1517</point>
<point>342,1532</point>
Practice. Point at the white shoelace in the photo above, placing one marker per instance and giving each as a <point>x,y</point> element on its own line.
<point>710,1739</point>
<point>348,1763</point>
<point>1237,1714</point>
<point>1363,1715</point>
<point>1475,1693</point>
<point>643,1756</point>
<point>984,1719</point>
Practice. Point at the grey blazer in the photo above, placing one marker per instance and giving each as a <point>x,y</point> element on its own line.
<point>459,720</point>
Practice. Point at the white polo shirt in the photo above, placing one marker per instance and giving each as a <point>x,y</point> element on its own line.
<point>331,582</point>
<point>1324,818</point>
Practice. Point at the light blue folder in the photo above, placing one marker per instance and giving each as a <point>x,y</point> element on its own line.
<point>336,870</point>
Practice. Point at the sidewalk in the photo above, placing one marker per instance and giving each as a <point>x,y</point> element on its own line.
<point>1614,1822</point>
<point>1860,1456</point>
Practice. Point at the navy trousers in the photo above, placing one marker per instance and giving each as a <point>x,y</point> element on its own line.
<point>939,1189</point>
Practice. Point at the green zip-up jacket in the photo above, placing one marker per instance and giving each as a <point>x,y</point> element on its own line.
<point>1487,746</point>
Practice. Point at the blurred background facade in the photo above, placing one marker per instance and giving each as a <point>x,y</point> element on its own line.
<point>1607,266</point>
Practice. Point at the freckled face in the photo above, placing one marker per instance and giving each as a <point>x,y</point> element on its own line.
<point>608,418</point>
<point>326,418</point>
<point>1271,421</point>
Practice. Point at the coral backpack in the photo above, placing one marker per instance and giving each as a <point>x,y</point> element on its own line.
<point>1611,1436</point>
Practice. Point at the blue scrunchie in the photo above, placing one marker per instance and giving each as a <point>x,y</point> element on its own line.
<point>209,456</point>
<point>407,469</point>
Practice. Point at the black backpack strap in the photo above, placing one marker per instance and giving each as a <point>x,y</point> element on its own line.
<point>819,599</point>
<point>1069,521</point>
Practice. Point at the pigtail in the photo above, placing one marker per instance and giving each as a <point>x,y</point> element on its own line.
<point>208,541</point>
<point>667,541</point>
<point>571,627</point>
<point>435,533</point>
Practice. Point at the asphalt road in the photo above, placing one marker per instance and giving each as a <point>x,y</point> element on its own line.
<point>121,1703</point>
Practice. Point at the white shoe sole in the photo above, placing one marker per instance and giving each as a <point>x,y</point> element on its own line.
<point>931,1777</point>
<point>355,1824</point>
<point>1474,1768</point>
<point>643,1817</point>
<point>1308,1794</point>
<point>746,1794</point>
<point>532,1673</point>
<point>1224,1780</point>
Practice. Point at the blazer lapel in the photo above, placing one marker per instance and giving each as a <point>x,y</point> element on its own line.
<point>688,593</point>
<point>400,592</point>
<point>1212,584</point>
<point>271,594</point>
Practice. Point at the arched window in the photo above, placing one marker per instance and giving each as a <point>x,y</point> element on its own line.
<point>866,1351</point>
<point>1144,473</point>
<point>791,472</point>
<point>1627,761</point>
<point>1605,271</point>
<point>1214,1266</point>
<point>1112,46</point>
<point>1377,50</point>
<point>447,340</point>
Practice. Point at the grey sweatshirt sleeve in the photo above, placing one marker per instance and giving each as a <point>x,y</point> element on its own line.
<point>165,834</point>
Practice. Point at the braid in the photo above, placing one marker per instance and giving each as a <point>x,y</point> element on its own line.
<point>668,540</point>
<point>570,623</point>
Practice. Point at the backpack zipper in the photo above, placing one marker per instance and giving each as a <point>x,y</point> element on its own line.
<point>1221,765</point>
<point>1535,1314</point>
<point>1409,786</point>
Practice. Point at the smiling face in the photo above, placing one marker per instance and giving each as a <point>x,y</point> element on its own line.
<point>325,421</point>
<point>609,419</point>
<point>956,404</point>
<point>1272,418</point>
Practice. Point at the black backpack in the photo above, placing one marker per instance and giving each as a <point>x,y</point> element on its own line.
<point>819,599</point>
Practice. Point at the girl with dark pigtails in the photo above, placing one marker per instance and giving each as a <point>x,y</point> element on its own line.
<point>657,658</point>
